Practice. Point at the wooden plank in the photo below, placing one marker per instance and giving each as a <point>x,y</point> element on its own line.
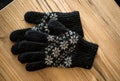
<point>100,20</point>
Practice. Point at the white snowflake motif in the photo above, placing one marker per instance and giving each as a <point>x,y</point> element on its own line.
<point>73,39</point>
<point>48,60</point>
<point>64,45</point>
<point>56,52</point>
<point>68,61</point>
<point>48,13</point>
<point>50,38</point>
<point>53,16</point>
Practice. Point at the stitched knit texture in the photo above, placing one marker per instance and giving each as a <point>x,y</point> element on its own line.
<point>21,36</point>
<point>79,58</point>
<point>39,49</point>
<point>82,56</point>
<point>71,20</point>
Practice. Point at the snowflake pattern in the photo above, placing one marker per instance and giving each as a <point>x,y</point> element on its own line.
<point>61,41</point>
<point>73,39</point>
<point>53,16</point>
<point>56,52</point>
<point>64,45</point>
<point>48,14</point>
<point>50,38</point>
<point>43,25</point>
<point>68,61</point>
<point>48,60</point>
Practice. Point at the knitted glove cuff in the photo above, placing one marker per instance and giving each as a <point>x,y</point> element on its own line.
<point>59,53</point>
<point>84,54</point>
<point>76,58</point>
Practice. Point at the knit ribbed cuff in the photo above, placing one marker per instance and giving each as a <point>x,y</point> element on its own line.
<point>84,54</point>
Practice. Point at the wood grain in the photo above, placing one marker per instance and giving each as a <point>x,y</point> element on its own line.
<point>101,24</point>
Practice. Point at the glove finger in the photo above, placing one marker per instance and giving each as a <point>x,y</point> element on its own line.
<point>28,57</point>
<point>56,28</point>
<point>71,19</point>
<point>33,17</point>
<point>36,36</point>
<point>18,35</point>
<point>35,66</point>
<point>14,48</point>
<point>27,46</point>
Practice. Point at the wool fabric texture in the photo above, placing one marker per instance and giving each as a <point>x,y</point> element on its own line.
<point>71,21</point>
<point>65,48</point>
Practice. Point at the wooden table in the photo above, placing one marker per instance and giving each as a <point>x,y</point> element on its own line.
<point>101,24</point>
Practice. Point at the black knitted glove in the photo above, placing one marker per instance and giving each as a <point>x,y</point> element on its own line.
<point>35,36</point>
<point>66,50</point>
<point>71,21</point>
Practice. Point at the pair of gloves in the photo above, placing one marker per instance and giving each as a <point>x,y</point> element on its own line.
<point>55,41</point>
